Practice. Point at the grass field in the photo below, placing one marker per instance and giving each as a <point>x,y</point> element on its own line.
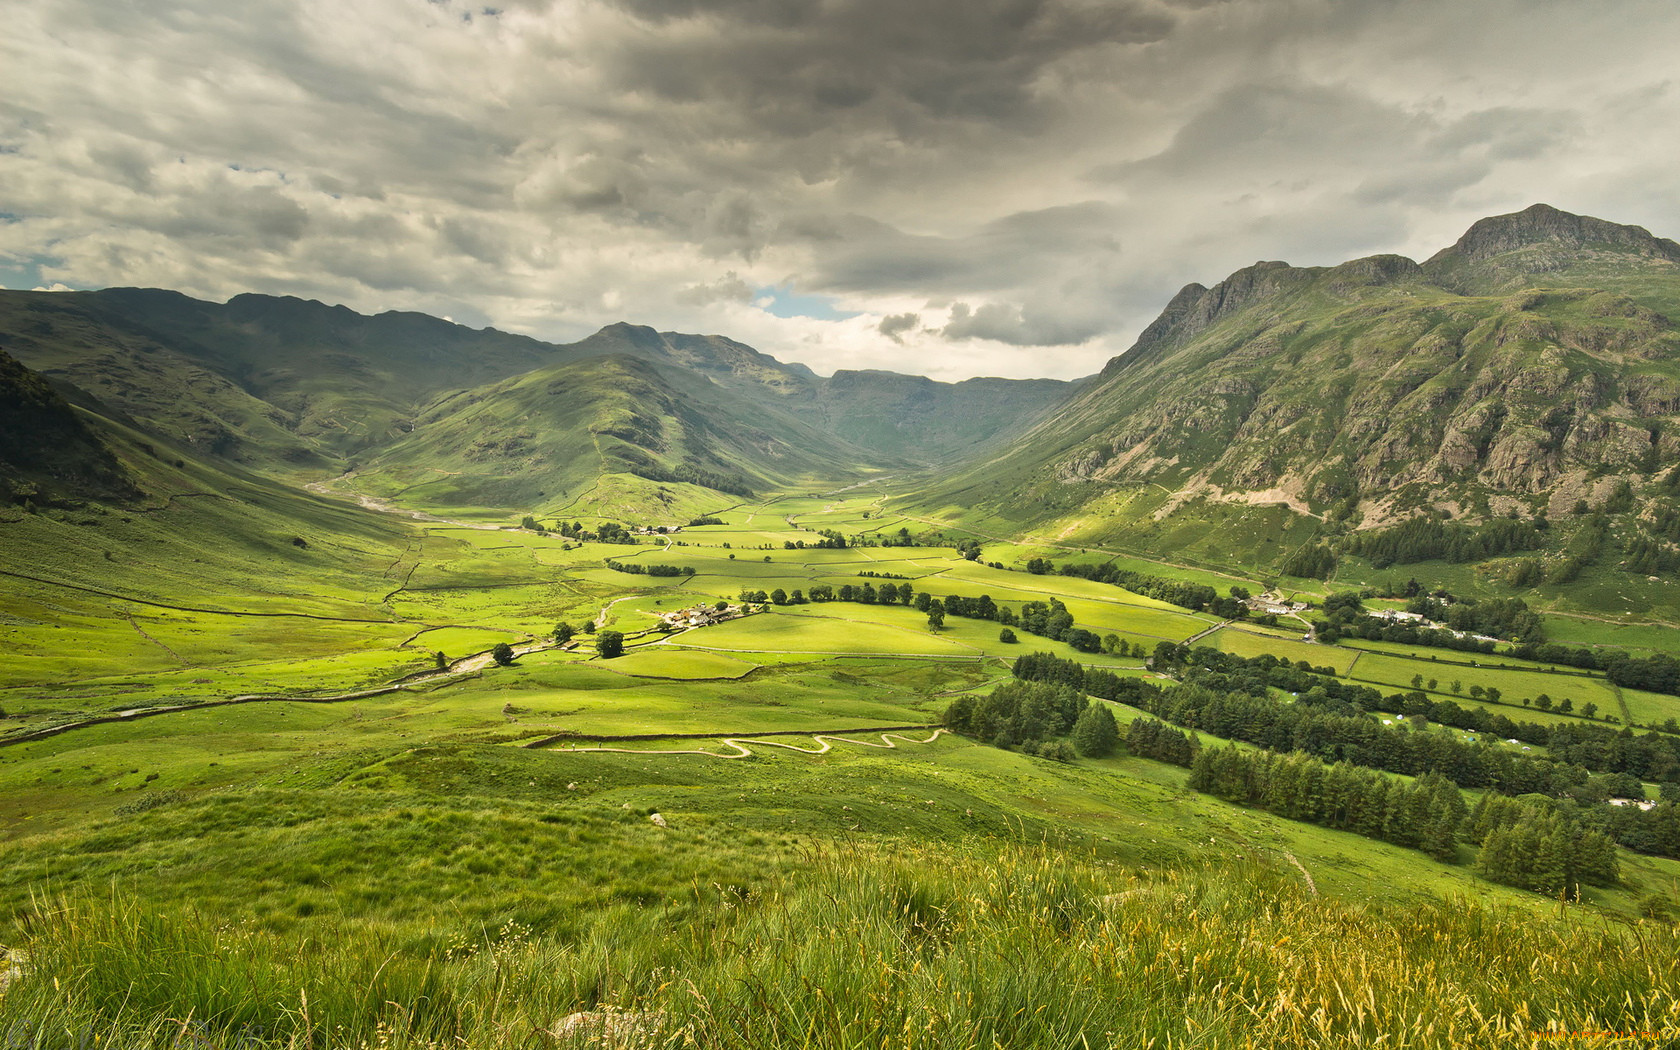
<point>415,827</point>
<point>1514,685</point>
<point>666,662</point>
<point>1243,643</point>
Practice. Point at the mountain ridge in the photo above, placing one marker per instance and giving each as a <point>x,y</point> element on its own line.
<point>1531,371</point>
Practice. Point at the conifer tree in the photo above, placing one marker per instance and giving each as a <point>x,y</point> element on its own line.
<point>1095,733</point>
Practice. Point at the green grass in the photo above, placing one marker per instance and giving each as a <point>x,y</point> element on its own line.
<point>782,941</point>
<point>893,632</point>
<point>679,664</point>
<point>272,826</point>
<point>1240,642</point>
<point>1514,686</point>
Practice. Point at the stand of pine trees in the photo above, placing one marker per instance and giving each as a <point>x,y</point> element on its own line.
<point>1535,845</point>
<point>1027,715</point>
<point>1151,738</point>
<point>1423,814</point>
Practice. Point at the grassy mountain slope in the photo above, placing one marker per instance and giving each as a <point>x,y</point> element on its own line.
<point>931,422</point>
<point>344,380</point>
<point>543,437</point>
<point>890,415</point>
<point>153,382</point>
<point>47,454</point>
<point>1521,372</point>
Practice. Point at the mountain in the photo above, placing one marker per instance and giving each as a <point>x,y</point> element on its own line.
<point>268,382</point>
<point>542,438</point>
<point>47,453</point>
<point>1528,369</point>
<point>896,417</point>
<point>301,391</point>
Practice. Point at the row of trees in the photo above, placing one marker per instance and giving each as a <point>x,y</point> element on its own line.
<point>1601,749</point>
<point>1032,715</point>
<point>1428,539</point>
<point>1045,619</point>
<point>1422,814</point>
<point>1337,731</point>
<point>1195,596</point>
<point>1657,674</point>
<point>640,569</point>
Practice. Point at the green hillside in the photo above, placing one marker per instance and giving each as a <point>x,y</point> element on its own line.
<point>47,454</point>
<point>544,438</point>
<point>1530,372</point>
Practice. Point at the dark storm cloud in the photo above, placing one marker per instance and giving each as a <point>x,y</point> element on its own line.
<point>1010,186</point>
<point>895,325</point>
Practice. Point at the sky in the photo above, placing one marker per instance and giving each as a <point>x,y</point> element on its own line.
<point>949,187</point>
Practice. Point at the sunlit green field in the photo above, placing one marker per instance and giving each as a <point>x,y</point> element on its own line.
<point>1514,685</point>
<point>494,789</point>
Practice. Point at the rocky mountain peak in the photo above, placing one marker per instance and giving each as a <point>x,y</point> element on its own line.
<point>1542,224</point>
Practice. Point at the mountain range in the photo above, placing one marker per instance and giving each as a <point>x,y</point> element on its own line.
<point>1527,371</point>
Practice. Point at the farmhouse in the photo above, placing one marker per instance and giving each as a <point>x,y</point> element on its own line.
<point>1271,604</point>
<point>699,616</point>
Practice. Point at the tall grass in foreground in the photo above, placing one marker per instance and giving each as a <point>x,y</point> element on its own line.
<point>1026,949</point>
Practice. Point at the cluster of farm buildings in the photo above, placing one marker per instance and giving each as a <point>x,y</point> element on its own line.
<point>699,616</point>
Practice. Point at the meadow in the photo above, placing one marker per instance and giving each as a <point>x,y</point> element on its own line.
<point>461,861</point>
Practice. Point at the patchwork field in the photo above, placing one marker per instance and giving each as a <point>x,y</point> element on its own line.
<point>522,796</point>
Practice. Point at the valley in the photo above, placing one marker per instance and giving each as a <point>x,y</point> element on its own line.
<point>649,691</point>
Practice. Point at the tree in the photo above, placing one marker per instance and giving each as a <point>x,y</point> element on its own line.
<point>442,660</point>
<point>502,653</point>
<point>610,644</point>
<point>563,633</point>
<point>1006,635</point>
<point>936,615</point>
<point>1589,709</point>
<point>779,596</point>
<point>1095,733</point>
<point>589,627</point>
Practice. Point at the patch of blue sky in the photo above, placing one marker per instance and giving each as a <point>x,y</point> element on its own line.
<point>17,272</point>
<point>781,301</point>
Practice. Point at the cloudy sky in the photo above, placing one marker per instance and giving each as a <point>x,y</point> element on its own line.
<point>956,187</point>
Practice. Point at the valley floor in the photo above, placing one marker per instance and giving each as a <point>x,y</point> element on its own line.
<point>242,800</point>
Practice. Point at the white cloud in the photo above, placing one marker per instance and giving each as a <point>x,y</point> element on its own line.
<point>1002,186</point>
